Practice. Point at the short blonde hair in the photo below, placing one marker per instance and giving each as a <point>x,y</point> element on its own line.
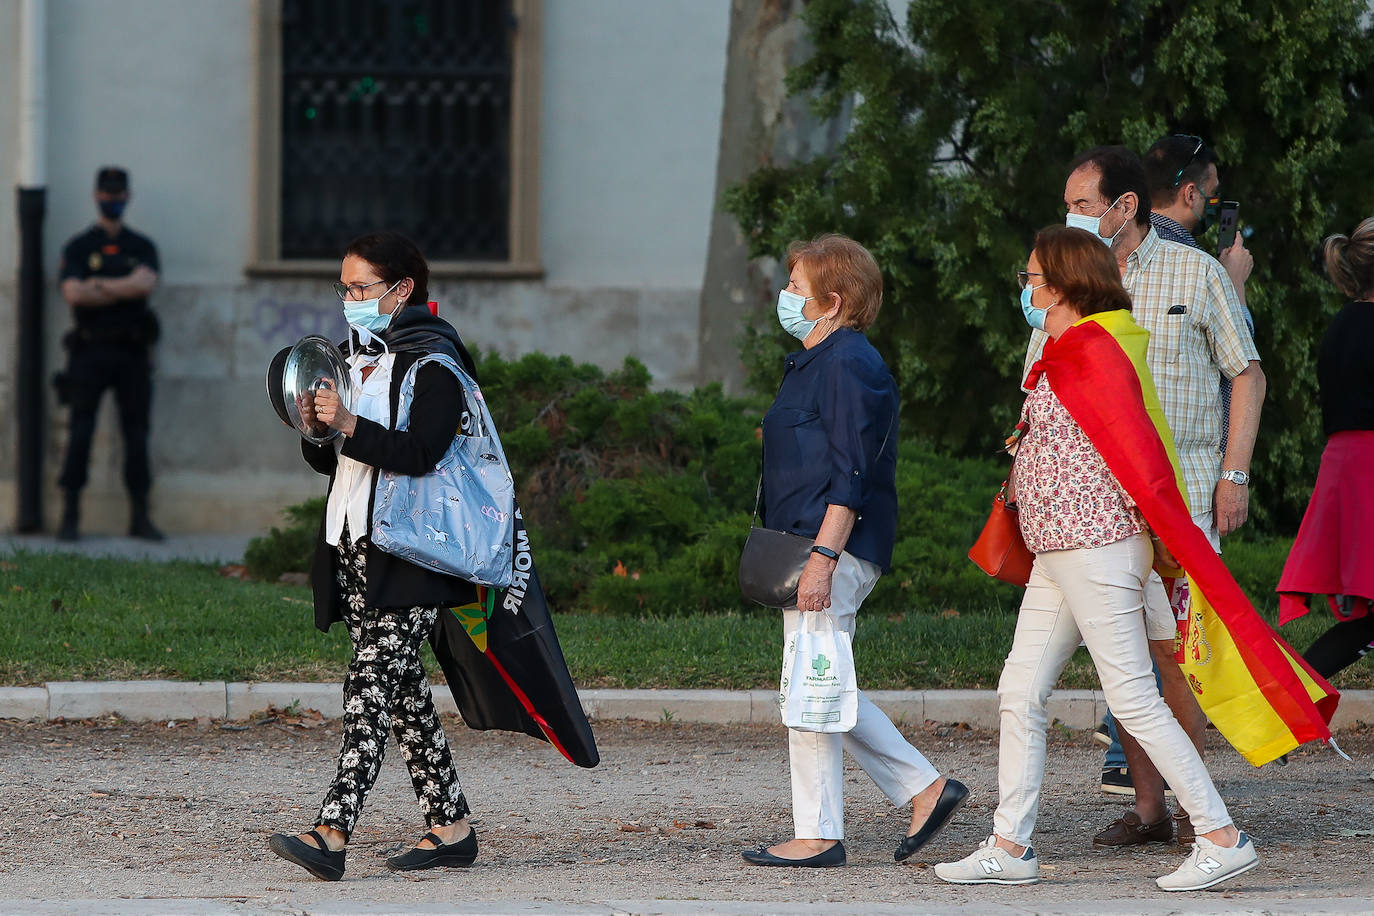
<point>837,264</point>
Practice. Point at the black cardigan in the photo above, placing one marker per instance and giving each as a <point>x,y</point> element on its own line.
<point>435,415</point>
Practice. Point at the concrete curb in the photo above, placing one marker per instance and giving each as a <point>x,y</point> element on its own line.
<point>158,700</point>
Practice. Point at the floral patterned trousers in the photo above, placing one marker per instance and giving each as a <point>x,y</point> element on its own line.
<point>386,690</point>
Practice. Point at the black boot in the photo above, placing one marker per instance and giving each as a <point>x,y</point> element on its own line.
<point>140,525</point>
<point>71,516</point>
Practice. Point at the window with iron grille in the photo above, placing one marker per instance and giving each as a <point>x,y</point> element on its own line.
<point>396,114</point>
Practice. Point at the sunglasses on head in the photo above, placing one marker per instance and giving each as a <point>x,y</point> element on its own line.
<point>1197,148</point>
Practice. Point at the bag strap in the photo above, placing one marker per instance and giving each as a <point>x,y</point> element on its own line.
<point>485,426</point>
<point>477,404</point>
<point>758,492</point>
<point>812,622</point>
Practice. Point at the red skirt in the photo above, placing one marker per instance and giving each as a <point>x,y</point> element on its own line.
<point>1334,552</point>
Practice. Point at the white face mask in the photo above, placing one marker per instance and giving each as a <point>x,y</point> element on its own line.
<point>1091,223</point>
<point>790,314</point>
<point>365,339</point>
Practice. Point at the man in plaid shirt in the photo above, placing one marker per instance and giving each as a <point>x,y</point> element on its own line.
<point>1198,335</point>
<point>1181,173</point>
<point>1184,190</point>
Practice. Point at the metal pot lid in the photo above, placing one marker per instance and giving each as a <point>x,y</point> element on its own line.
<point>313,363</point>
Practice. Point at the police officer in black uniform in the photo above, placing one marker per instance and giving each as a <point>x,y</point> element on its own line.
<point>107,273</point>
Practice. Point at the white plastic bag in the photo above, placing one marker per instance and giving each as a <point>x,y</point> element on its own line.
<point>818,691</point>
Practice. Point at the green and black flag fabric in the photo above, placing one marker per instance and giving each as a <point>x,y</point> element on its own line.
<point>503,663</point>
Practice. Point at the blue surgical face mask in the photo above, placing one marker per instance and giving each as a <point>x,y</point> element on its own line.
<point>1091,223</point>
<point>367,313</point>
<point>112,209</point>
<point>790,315</point>
<point>1034,317</point>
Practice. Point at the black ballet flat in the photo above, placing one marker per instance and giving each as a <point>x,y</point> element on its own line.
<point>952,798</point>
<point>323,862</point>
<point>455,855</point>
<point>832,857</point>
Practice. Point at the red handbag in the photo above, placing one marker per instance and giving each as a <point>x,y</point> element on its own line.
<point>1000,550</point>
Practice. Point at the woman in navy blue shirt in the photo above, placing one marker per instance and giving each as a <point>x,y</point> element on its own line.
<point>829,473</point>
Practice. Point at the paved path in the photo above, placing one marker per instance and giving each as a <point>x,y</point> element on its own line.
<point>1204,906</point>
<point>212,548</point>
<point>118,817</point>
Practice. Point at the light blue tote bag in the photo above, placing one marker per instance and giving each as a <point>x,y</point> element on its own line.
<point>459,519</point>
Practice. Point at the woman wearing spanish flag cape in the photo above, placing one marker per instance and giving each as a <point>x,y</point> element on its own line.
<point>1100,504</point>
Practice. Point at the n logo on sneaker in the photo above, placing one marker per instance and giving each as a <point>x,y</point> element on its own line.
<point>990,866</point>
<point>1208,865</point>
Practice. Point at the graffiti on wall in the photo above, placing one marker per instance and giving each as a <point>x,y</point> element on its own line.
<point>280,323</point>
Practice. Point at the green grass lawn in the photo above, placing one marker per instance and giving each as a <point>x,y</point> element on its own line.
<point>76,618</point>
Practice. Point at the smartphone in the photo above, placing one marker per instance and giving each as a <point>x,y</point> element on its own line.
<point>1227,219</point>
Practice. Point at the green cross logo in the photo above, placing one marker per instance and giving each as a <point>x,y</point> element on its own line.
<point>821,664</point>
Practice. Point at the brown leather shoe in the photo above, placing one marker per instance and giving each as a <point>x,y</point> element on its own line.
<point>1128,830</point>
<point>1186,834</point>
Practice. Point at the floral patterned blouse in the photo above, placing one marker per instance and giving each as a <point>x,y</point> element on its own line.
<point>1068,497</point>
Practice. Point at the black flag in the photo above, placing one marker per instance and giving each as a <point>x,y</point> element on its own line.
<point>504,665</point>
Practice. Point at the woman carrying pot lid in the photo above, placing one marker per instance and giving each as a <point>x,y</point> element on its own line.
<point>388,605</point>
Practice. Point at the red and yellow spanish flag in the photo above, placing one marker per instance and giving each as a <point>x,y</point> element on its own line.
<point>1258,692</point>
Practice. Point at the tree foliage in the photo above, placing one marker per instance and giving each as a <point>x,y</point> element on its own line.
<point>965,118</point>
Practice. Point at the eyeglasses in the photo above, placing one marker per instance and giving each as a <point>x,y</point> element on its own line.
<point>1191,156</point>
<point>354,292</point>
<point>1023,277</point>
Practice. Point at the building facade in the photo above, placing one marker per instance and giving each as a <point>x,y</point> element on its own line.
<point>556,159</point>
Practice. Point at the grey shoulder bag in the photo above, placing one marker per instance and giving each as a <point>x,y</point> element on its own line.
<point>771,564</point>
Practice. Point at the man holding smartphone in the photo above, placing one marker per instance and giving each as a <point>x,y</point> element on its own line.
<point>1185,199</point>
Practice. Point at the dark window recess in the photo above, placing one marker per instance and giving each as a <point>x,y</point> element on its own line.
<point>396,115</point>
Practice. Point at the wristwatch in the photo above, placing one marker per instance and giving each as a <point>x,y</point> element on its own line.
<point>825,552</point>
<point>1239,478</point>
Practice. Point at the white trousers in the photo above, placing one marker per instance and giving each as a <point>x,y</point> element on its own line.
<point>897,768</point>
<point>1096,595</point>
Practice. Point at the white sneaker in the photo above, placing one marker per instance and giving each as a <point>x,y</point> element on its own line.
<point>991,864</point>
<point>1210,864</point>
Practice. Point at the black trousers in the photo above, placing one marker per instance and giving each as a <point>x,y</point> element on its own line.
<point>386,691</point>
<point>1342,645</point>
<point>91,369</point>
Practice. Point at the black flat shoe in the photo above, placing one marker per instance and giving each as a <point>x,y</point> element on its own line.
<point>453,855</point>
<point>952,798</point>
<point>323,863</point>
<point>829,859</point>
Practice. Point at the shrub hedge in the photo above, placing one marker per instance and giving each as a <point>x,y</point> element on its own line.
<point>638,501</point>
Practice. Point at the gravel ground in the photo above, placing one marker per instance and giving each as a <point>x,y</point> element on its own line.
<point>110,809</point>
